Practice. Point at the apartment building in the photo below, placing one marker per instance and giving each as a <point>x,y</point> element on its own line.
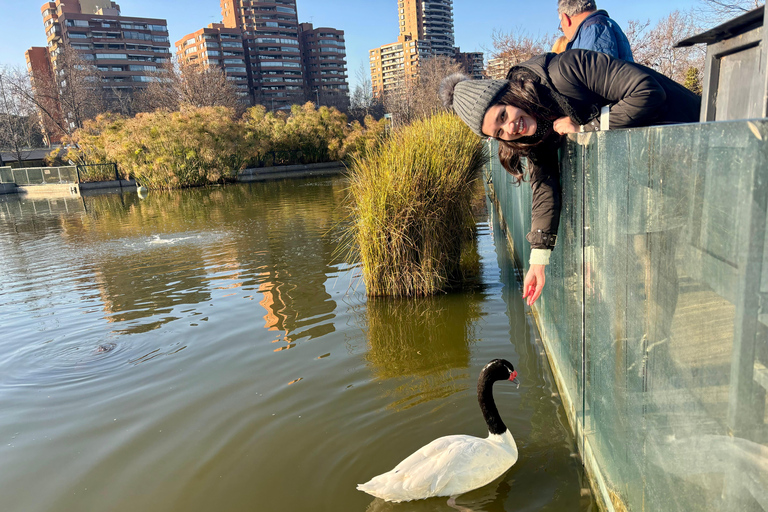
<point>428,20</point>
<point>497,68</point>
<point>395,63</point>
<point>323,53</point>
<point>39,65</point>
<point>471,62</point>
<point>217,46</point>
<point>125,50</point>
<point>426,30</point>
<point>272,52</point>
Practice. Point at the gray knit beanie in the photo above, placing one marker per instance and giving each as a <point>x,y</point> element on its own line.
<point>470,99</point>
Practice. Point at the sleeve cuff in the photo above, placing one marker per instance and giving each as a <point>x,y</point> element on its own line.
<point>539,257</point>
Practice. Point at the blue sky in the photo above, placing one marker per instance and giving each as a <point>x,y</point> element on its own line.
<point>366,23</point>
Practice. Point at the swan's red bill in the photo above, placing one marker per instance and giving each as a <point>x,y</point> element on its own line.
<point>513,378</point>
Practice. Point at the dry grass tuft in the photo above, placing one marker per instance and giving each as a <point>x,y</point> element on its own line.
<point>411,213</point>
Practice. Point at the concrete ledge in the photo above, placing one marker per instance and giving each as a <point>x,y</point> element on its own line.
<point>108,184</point>
<point>53,190</point>
<point>291,171</point>
<point>8,188</point>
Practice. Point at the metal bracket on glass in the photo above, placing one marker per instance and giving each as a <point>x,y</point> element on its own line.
<point>763,307</point>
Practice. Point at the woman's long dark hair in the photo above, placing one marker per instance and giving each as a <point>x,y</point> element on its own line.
<point>534,99</point>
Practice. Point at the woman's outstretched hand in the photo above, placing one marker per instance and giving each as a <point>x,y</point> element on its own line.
<point>565,125</point>
<point>533,283</point>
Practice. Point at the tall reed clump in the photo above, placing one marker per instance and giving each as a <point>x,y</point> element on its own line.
<point>411,207</point>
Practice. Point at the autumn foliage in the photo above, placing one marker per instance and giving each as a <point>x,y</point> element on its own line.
<point>201,145</point>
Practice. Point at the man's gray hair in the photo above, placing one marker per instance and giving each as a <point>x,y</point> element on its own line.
<point>574,7</point>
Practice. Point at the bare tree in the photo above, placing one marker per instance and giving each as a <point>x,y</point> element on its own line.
<point>176,85</point>
<point>637,35</point>
<point>431,72</point>
<point>655,47</point>
<point>398,102</point>
<point>512,48</point>
<point>68,96</point>
<point>417,97</point>
<point>78,85</point>
<point>120,100</point>
<point>712,12</point>
<point>19,132</point>
<point>362,101</point>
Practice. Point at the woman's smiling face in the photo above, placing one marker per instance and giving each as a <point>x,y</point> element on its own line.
<point>508,123</point>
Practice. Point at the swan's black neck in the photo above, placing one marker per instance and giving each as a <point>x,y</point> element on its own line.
<point>487,404</point>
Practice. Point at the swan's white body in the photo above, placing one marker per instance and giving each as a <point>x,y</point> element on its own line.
<point>453,465</point>
<point>448,466</point>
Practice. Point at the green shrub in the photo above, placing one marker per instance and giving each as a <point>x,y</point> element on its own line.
<point>411,207</point>
<point>202,145</point>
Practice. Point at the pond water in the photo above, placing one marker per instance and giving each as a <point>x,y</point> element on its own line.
<point>211,349</point>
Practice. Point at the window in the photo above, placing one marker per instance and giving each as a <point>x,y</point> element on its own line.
<point>78,35</point>
<point>141,36</point>
<point>77,23</point>
<point>111,56</point>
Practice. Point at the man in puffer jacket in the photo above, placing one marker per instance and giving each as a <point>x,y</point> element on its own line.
<point>590,29</point>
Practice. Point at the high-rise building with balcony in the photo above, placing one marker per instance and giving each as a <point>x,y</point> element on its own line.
<point>430,20</point>
<point>125,50</point>
<point>426,30</point>
<point>323,53</point>
<point>392,65</point>
<point>272,53</point>
<point>216,46</point>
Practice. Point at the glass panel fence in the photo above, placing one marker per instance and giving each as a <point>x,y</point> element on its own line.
<point>663,241</point>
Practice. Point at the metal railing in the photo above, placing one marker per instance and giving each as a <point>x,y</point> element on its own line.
<point>97,172</point>
<point>59,175</point>
<point>39,175</point>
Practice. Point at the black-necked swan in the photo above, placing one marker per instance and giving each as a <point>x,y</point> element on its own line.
<point>453,465</point>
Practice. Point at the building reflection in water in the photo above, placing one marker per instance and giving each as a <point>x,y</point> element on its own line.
<point>156,260</point>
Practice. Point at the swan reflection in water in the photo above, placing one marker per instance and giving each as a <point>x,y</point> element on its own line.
<point>489,498</point>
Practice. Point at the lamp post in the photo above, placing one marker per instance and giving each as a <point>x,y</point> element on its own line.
<point>317,97</point>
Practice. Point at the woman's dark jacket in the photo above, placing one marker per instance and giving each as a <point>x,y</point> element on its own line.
<point>581,82</point>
